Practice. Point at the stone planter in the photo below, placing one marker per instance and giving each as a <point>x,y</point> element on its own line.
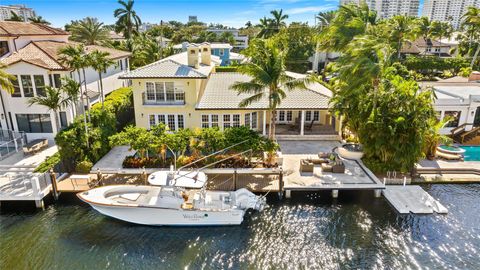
<point>278,159</point>
<point>350,151</point>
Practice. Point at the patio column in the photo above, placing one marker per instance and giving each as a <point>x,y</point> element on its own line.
<point>264,123</point>
<point>302,124</point>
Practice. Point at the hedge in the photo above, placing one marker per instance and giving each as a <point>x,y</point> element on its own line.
<point>431,64</point>
<point>116,114</point>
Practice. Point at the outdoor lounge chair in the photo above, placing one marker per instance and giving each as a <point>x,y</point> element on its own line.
<point>34,146</point>
<point>449,156</point>
<point>310,127</point>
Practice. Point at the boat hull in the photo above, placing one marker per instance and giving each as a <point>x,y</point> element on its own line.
<point>169,217</point>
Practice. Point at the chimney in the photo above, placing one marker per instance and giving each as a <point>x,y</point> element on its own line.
<point>206,54</point>
<point>193,52</point>
<point>184,46</point>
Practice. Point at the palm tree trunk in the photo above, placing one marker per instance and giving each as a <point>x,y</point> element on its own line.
<point>55,119</point>
<point>475,55</point>
<point>101,88</point>
<point>86,95</point>
<point>272,124</point>
<point>83,107</point>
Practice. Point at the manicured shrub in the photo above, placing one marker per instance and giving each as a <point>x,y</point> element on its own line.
<point>84,166</point>
<point>72,141</point>
<point>48,164</point>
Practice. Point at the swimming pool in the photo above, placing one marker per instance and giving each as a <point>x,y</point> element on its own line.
<point>472,153</point>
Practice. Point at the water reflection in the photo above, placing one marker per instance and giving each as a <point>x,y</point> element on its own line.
<point>308,231</point>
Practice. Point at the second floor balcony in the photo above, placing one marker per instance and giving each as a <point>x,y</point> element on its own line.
<point>177,99</point>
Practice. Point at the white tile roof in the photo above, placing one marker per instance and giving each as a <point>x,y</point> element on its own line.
<point>219,96</point>
<point>165,68</point>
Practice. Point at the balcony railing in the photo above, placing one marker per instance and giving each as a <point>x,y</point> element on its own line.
<point>157,102</point>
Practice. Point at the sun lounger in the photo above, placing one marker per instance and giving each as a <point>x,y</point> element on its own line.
<point>449,156</point>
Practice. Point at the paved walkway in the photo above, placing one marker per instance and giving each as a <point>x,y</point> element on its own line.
<point>356,175</point>
<point>112,161</point>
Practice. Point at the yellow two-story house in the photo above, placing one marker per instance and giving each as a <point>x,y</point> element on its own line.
<point>185,91</point>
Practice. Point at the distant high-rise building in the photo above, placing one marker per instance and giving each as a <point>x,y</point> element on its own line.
<point>447,10</point>
<point>389,8</point>
<point>20,10</point>
<point>192,19</point>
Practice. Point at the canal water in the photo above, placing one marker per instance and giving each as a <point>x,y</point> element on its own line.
<point>309,231</point>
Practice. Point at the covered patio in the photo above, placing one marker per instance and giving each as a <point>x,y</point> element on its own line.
<point>302,122</point>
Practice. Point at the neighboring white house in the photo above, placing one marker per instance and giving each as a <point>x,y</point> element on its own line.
<point>30,53</point>
<point>241,41</point>
<point>459,99</point>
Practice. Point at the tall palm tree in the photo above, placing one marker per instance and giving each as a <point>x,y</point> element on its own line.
<point>14,17</point>
<point>350,21</point>
<point>424,29</point>
<point>72,89</point>
<point>324,21</point>
<point>53,100</point>
<point>100,61</point>
<point>278,20</point>
<point>268,78</point>
<point>74,57</point>
<point>127,18</point>
<point>265,28</point>
<point>471,19</point>
<point>6,80</point>
<point>89,31</point>
<point>401,30</point>
<point>325,18</point>
<point>441,30</point>
<point>39,19</point>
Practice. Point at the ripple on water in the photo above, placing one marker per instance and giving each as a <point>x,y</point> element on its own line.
<point>309,231</point>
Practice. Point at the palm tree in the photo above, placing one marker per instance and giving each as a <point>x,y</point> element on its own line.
<point>53,100</point>
<point>441,30</point>
<point>89,31</point>
<point>278,20</point>
<point>268,78</point>
<point>100,62</point>
<point>325,18</point>
<point>350,21</point>
<point>14,17</point>
<point>471,19</point>
<point>74,58</point>
<point>72,89</point>
<point>424,29</point>
<point>324,21</point>
<point>401,30</point>
<point>127,18</point>
<point>265,28</point>
<point>6,80</point>
<point>39,19</point>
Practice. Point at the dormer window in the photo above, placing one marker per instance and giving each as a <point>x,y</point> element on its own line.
<point>192,51</point>
<point>205,49</point>
<point>4,48</point>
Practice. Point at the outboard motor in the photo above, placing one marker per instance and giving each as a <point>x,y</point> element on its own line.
<point>244,199</point>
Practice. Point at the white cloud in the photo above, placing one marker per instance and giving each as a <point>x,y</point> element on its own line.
<point>309,9</point>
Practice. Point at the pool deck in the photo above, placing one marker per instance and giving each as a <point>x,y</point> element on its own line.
<point>356,177</point>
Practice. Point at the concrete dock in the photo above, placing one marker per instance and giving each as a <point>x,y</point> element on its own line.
<point>412,199</point>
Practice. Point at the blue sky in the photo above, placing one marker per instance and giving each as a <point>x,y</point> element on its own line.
<point>232,13</point>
